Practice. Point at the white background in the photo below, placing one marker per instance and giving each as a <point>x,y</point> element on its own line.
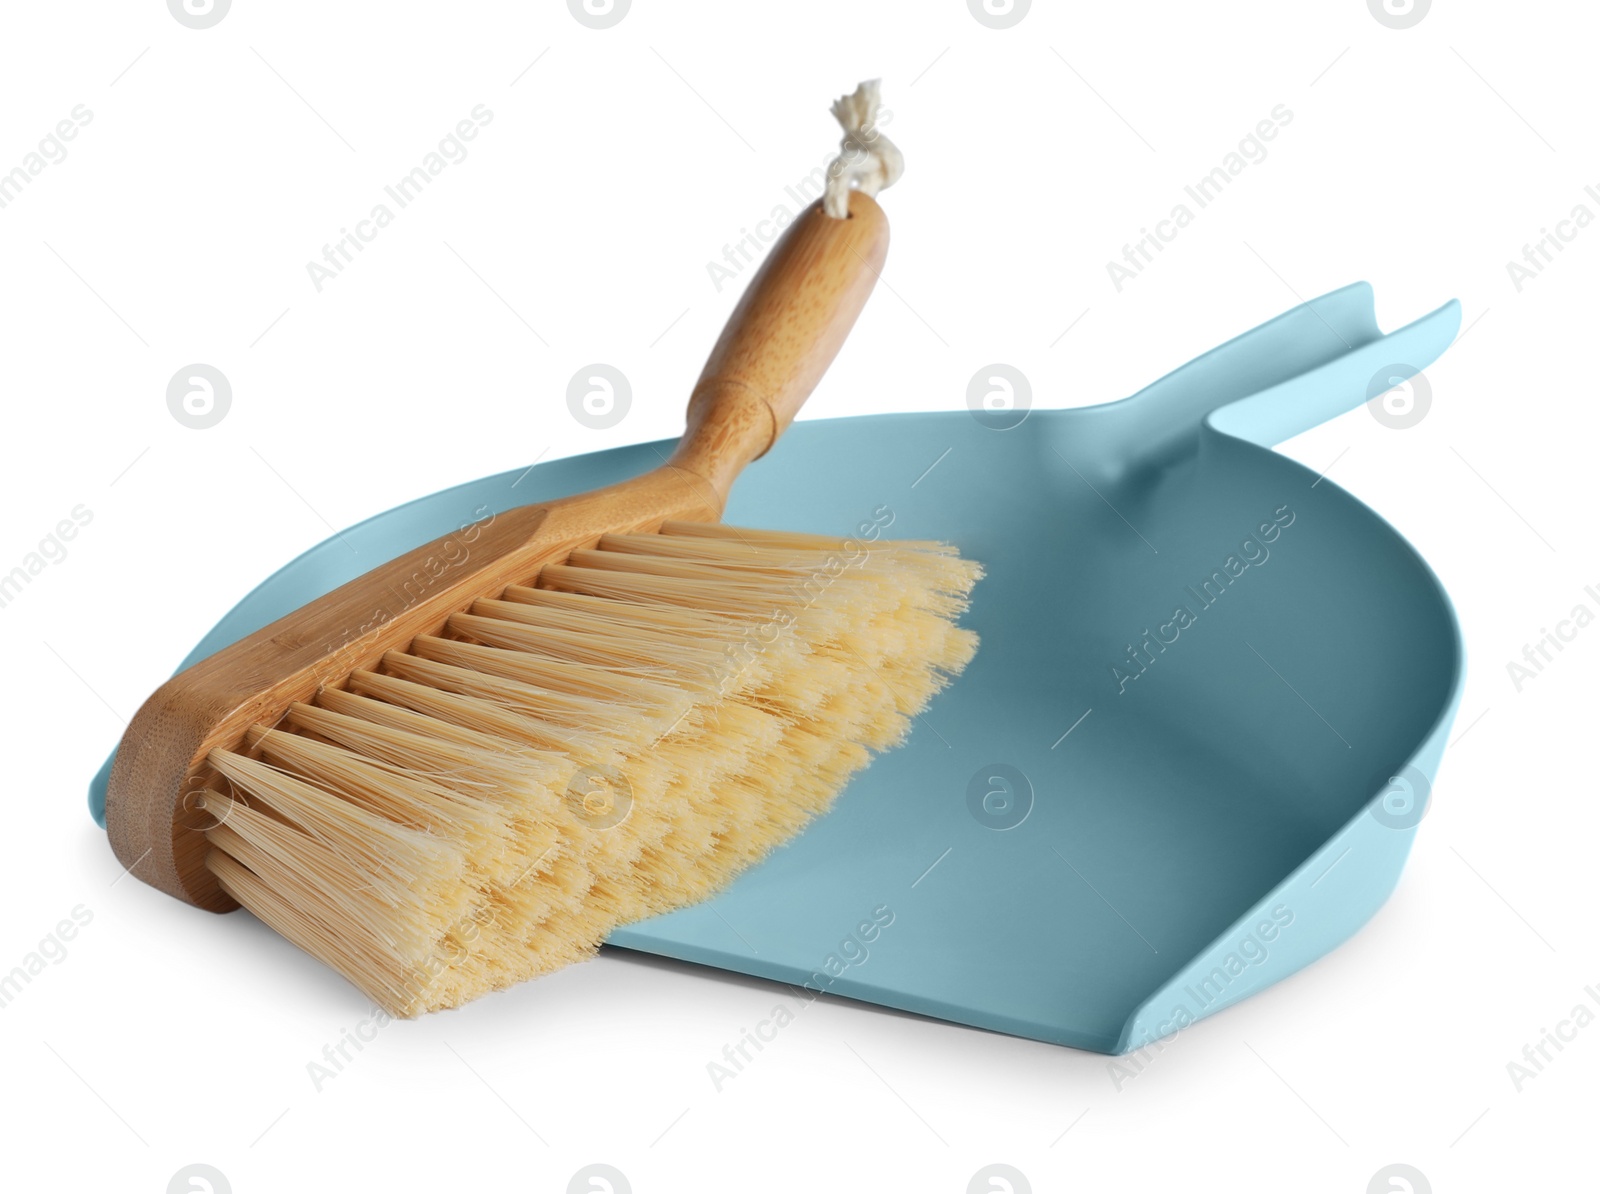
<point>219,162</point>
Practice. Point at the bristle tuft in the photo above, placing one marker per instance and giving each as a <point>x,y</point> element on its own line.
<point>619,737</point>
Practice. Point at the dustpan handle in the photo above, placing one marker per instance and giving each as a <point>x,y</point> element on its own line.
<point>1292,373</point>
<point>1367,367</point>
<point>781,338</point>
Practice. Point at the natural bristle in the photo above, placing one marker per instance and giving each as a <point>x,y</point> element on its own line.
<point>617,738</point>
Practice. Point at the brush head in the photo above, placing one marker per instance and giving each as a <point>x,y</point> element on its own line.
<point>617,739</point>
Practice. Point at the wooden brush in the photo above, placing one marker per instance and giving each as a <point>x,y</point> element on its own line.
<point>598,709</point>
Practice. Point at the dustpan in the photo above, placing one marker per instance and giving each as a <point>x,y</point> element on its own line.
<point>1197,740</point>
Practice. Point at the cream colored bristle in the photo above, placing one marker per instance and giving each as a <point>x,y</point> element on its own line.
<point>619,737</point>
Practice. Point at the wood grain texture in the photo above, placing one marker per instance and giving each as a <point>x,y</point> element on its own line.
<point>781,337</point>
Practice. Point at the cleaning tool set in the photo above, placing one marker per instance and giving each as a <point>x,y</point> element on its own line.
<point>1189,758</point>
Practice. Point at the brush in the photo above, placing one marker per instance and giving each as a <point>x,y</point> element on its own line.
<point>588,712</point>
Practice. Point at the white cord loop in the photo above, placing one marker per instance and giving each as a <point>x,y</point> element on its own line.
<point>867,161</point>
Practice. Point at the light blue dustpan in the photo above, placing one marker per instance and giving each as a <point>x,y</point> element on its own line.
<point>1192,752</point>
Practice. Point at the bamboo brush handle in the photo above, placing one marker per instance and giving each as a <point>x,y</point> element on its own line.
<point>781,338</point>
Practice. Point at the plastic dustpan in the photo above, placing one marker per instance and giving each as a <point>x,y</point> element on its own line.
<point>1192,752</point>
